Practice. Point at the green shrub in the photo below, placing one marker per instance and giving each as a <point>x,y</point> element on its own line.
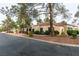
<point>56,32</point>
<point>36,32</point>
<point>72,33</point>
<point>77,32</point>
<point>69,32</point>
<point>46,32</point>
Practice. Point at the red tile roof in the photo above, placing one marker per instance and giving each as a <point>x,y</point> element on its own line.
<point>55,24</point>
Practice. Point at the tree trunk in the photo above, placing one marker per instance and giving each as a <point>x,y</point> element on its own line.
<point>51,20</point>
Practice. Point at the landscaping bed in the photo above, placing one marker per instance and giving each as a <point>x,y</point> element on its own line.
<point>57,39</point>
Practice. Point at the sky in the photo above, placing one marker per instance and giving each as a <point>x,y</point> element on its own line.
<point>72,7</point>
<point>2,17</point>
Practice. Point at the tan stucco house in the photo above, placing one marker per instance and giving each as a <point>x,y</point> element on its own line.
<point>61,27</point>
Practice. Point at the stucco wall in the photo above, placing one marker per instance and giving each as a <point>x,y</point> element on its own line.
<point>58,28</point>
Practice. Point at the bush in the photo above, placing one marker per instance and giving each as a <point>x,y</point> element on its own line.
<point>39,32</point>
<point>46,32</point>
<point>56,32</point>
<point>77,32</point>
<point>72,33</point>
<point>69,32</point>
<point>30,33</point>
<point>36,32</point>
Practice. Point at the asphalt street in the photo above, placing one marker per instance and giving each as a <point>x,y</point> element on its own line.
<point>19,46</point>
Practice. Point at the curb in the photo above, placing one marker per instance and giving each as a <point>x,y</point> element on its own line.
<point>63,44</point>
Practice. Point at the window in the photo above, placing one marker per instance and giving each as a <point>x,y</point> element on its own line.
<point>41,29</point>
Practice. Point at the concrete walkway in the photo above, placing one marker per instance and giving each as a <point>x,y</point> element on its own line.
<point>19,46</point>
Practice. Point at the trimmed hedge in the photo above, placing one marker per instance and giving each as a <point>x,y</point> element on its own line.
<point>73,33</point>
<point>45,32</point>
<point>70,32</point>
<point>36,32</point>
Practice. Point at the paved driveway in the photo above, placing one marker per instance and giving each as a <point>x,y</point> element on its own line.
<point>18,46</point>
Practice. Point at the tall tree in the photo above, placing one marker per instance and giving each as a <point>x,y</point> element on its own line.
<point>8,24</point>
<point>54,9</point>
<point>46,20</point>
<point>25,13</point>
<point>77,12</point>
<point>19,11</point>
<point>39,21</point>
<point>31,10</point>
<point>77,16</point>
<point>51,19</point>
